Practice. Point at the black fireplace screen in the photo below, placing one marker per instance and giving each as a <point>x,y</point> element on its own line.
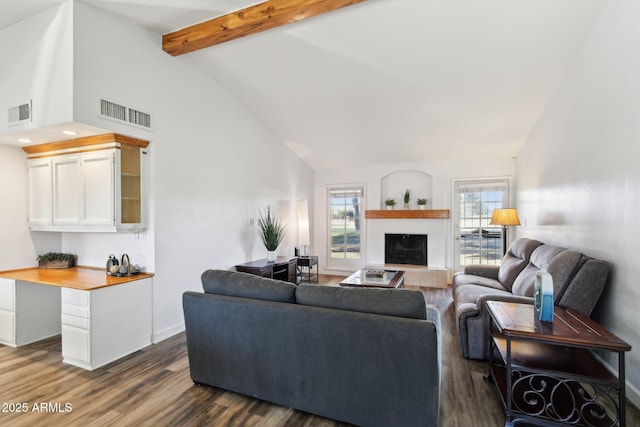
<point>405,249</point>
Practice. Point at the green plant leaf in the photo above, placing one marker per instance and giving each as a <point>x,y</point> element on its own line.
<point>272,229</point>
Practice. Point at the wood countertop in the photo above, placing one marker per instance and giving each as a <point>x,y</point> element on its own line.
<point>82,278</point>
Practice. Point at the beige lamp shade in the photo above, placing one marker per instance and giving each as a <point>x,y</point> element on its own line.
<point>505,216</point>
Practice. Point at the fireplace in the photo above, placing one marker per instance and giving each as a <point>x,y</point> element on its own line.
<point>405,249</point>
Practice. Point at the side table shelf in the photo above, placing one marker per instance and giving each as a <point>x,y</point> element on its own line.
<point>546,373</point>
<point>305,269</point>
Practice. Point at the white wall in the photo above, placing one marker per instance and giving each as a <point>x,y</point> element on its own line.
<point>212,164</point>
<point>18,247</point>
<point>440,231</point>
<point>578,181</point>
<point>37,61</point>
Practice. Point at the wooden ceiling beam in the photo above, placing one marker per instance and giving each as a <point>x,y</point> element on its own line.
<point>251,20</point>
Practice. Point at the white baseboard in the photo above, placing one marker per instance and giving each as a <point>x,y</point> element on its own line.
<point>167,332</point>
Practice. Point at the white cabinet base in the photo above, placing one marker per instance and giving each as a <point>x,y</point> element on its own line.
<point>103,325</point>
<point>29,312</point>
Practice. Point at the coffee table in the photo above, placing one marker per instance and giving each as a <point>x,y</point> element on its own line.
<point>375,278</point>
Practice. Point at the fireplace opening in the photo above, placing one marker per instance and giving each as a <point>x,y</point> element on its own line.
<point>405,249</point>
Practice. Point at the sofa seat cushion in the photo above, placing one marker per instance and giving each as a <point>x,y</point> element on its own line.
<point>461,279</point>
<point>391,302</point>
<point>244,285</point>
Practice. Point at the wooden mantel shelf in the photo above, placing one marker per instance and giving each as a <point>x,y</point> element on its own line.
<point>408,213</point>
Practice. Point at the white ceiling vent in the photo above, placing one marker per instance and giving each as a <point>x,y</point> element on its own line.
<point>122,113</point>
<point>20,113</point>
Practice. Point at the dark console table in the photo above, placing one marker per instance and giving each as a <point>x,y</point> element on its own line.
<point>547,374</point>
<point>283,268</point>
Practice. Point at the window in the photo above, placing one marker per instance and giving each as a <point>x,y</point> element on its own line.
<point>345,222</point>
<point>477,241</point>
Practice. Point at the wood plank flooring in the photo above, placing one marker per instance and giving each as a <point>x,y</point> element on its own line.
<point>152,387</point>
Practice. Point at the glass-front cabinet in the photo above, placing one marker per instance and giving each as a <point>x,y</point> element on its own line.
<point>88,184</point>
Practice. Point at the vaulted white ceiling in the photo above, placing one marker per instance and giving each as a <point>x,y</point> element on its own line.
<point>385,81</point>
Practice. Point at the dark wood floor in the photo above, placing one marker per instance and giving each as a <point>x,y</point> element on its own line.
<point>152,387</point>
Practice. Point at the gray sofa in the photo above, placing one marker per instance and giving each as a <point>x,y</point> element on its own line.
<point>370,357</point>
<point>578,281</point>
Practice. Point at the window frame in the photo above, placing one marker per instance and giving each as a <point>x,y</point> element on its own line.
<point>345,264</point>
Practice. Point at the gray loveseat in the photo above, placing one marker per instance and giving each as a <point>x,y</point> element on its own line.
<point>370,357</point>
<point>578,281</point>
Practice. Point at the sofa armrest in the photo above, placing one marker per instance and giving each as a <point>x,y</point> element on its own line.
<point>473,325</point>
<point>502,298</point>
<point>483,270</point>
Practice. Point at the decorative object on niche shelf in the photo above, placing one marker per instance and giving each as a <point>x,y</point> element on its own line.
<point>543,295</point>
<point>406,197</point>
<point>504,217</point>
<point>390,203</point>
<point>272,231</point>
<point>56,260</point>
<point>422,204</point>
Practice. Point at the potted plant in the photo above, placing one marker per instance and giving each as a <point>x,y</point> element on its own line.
<point>390,203</point>
<point>56,260</point>
<point>272,231</point>
<point>422,204</point>
<point>406,197</point>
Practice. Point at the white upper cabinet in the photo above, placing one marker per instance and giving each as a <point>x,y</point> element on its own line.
<point>87,184</point>
<point>40,192</point>
<point>98,181</point>
<point>67,190</point>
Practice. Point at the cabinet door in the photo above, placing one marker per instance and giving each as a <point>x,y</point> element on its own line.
<point>76,346</point>
<point>8,327</point>
<point>40,191</point>
<point>98,188</point>
<point>67,190</point>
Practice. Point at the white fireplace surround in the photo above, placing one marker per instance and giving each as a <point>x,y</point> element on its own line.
<point>436,273</point>
<point>436,229</point>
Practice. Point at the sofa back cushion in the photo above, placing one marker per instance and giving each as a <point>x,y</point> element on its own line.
<point>584,289</point>
<point>562,264</point>
<point>236,284</point>
<point>390,302</point>
<point>515,260</point>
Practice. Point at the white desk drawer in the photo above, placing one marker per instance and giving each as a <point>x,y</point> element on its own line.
<point>76,303</point>
<point>80,322</point>
<point>7,294</point>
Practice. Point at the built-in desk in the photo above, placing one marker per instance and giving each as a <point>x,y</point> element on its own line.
<point>101,318</point>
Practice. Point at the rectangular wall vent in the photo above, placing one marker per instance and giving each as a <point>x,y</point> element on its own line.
<point>20,113</point>
<point>139,118</point>
<point>111,110</point>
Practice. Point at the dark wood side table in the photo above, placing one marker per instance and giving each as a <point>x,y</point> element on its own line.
<point>283,268</point>
<point>305,268</point>
<point>547,373</point>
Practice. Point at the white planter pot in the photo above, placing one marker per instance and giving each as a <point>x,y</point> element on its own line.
<point>271,256</point>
